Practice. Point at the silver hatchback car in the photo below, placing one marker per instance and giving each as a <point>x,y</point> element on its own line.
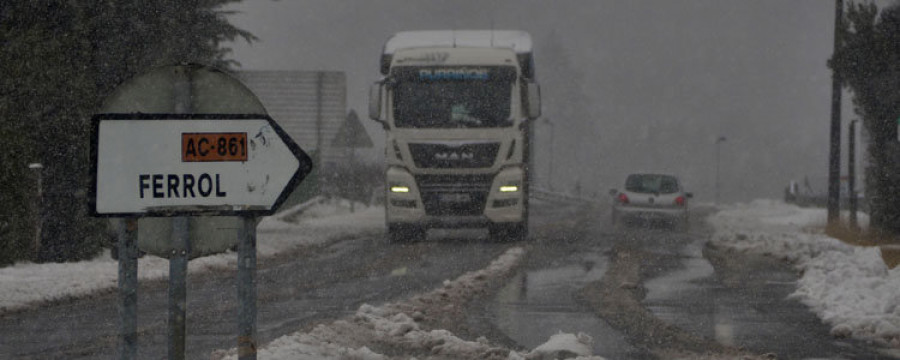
<point>651,197</point>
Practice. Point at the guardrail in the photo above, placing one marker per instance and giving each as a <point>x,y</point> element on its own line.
<point>542,194</point>
<point>291,214</point>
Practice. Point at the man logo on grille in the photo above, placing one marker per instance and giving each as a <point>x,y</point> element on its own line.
<point>454,156</point>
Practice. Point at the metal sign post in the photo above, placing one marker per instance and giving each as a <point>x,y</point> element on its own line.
<point>189,141</point>
<point>126,232</point>
<point>178,261</point>
<point>247,289</point>
<point>177,288</point>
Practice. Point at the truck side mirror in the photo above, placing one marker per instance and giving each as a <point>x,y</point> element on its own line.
<point>533,100</point>
<point>375,92</point>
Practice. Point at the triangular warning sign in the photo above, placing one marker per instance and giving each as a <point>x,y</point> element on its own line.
<point>352,134</point>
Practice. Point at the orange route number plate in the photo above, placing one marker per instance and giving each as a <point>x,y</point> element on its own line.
<point>213,147</point>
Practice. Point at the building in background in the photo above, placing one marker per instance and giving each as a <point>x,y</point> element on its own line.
<point>310,106</point>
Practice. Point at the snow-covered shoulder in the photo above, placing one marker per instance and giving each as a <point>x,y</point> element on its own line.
<point>850,288</point>
<point>317,221</point>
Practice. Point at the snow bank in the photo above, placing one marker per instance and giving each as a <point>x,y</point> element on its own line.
<point>848,287</point>
<point>25,283</point>
<point>396,329</point>
<point>320,222</point>
<point>564,346</point>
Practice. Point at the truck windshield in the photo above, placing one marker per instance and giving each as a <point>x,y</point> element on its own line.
<point>453,97</point>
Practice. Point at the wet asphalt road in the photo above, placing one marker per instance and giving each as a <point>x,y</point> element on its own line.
<point>707,293</point>
<point>716,301</point>
<point>295,291</point>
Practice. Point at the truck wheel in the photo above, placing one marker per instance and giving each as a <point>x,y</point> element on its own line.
<point>398,234</point>
<point>518,232</point>
<point>508,232</point>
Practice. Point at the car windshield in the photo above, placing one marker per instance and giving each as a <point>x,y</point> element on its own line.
<point>651,184</point>
<point>467,98</point>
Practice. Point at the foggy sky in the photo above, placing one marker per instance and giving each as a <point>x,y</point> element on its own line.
<point>629,85</point>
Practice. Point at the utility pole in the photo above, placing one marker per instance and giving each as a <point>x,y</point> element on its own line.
<point>39,208</point>
<point>834,154</point>
<point>550,166</point>
<point>851,172</point>
<point>320,81</point>
<point>720,140</point>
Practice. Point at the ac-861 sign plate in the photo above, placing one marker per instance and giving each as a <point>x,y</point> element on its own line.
<point>214,146</point>
<point>197,164</point>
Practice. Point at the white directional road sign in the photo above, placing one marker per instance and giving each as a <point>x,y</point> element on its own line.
<point>171,164</point>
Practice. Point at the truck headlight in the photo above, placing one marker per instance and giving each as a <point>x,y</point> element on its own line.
<point>400,189</point>
<point>509,188</point>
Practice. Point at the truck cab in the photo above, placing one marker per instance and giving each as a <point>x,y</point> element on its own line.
<point>458,110</point>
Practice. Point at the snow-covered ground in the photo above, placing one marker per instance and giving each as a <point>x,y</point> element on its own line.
<point>392,325</point>
<point>26,284</point>
<point>396,328</point>
<point>850,288</point>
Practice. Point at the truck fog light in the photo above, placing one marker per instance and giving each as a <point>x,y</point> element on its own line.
<point>403,203</point>
<point>400,189</point>
<point>509,188</point>
<point>505,202</point>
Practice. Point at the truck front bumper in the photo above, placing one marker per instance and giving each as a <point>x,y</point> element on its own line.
<point>453,201</point>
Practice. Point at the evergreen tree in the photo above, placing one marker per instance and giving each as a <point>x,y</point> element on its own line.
<point>60,59</point>
<point>868,61</point>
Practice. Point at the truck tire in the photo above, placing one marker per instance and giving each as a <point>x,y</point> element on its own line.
<point>399,234</point>
<point>508,232</point>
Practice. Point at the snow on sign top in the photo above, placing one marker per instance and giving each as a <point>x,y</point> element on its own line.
<point>518,41</point>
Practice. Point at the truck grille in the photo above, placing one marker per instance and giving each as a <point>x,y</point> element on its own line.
<point>460,195</point>
<point>448,155</point>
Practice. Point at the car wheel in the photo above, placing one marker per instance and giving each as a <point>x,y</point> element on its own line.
<point>615,220</point>
<point>684,224</point>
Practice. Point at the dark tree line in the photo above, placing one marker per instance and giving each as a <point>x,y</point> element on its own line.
<point>58,60</point>
<point>868,62</point>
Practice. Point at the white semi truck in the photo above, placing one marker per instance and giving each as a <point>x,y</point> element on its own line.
<point>458,109</point>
